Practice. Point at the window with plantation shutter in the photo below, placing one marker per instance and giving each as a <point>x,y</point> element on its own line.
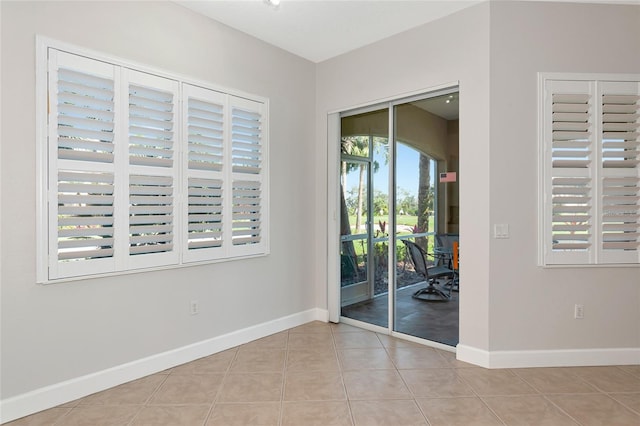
<point>205,116</point>
<point>247,160</point>
<point>143,169</point>
<point>591,157</point>
<point>152,169</point>
<point>81,174</point>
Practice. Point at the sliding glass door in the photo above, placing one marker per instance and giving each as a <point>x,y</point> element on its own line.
<point>391,191</point>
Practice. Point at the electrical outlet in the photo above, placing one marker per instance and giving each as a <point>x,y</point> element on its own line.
<point>194,309</point>
<point>578,311</point>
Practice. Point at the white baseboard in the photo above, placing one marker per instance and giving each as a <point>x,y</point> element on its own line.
<point>548,358</point>
<point>70,390</point>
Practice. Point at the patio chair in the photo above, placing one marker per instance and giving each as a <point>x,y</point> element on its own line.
<point>444,253</point>
<point>432,292</point>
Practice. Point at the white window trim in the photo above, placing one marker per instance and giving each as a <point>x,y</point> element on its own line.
<point>543,77</point>
<point>43,44</point>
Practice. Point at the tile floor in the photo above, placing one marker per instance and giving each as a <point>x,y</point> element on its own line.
<point>328,374</point>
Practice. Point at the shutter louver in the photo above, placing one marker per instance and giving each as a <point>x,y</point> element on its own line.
<point>246,212</point>
<point>150,214</point>
<point>85,116</point>
<point>620,172</point>
<point>205,129</point>
<point>246,141</point>
<point>571,161</point>
<point>150,127</point>
<point>85,215</point>
<point>205,213</point>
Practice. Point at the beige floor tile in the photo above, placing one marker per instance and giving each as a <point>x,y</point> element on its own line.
<point>554,380</point>
<point>533,410</point>
<point>495,382</point>
<point>416,358</point>
<point>309,359</point>
<point>436,382</point>
<point>274,341</point>
<point>329,374</point>
<point>363,339</point>
<point>312,327</point>
<point>609,379</point>
<point>375,384</point>
<point>452,362</point>
<point>266,360</point>
<point>457,412</point>
<point>43,418</point>
<point>172,415</point>
<point>631,369</point>
<point>251,387</point>
<point>316,413</point>
<point>393,342</point>
<point>595,410</point>
<point>313,386</point>
<point>630,400</point>
<point>188,389</point>
<point>364,359</point>
<point>84,415</point>
<point>243,414</point>
<point>216,363</point>
<point>344,328</point>
<point>316,341</point>
<point>387,412</point>
<point>136,392</point>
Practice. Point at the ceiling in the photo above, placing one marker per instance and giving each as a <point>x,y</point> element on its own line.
<point>318,30</point>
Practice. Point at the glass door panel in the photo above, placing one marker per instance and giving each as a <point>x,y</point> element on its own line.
<point>426,143</point>
<point>364,217</point>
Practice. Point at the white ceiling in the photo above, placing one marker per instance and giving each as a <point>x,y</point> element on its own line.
<point>318,30</point>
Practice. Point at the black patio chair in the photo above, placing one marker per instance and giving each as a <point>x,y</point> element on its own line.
<point>432,292</point>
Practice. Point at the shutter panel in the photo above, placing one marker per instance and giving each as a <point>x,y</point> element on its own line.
<point>152,170</point>
<point>620,172</point>
<point>81,165</point>
<point>569,141</point>
<point>204,127</point>
<point>248,213</point>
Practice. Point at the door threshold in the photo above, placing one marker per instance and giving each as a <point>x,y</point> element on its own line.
<point>383,330</point>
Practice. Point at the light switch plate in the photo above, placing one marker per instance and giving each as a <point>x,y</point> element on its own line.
<point>501,230</point>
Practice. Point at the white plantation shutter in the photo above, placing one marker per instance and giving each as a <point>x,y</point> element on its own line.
<point>144,170</point>
<point>204,123</point>
<point>591,178</point>
<point>81,136</point>
<point>247,183</point>
<point>620,172</point>
<point>153,169</point>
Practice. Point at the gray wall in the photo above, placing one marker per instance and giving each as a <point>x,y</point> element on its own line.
<point>62,331</point>
<point>531,307</point>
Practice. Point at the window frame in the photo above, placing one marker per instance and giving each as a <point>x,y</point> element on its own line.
<point>47,192</point>
<point>593,256</point>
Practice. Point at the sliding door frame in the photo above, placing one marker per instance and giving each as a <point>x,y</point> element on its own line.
<point>333,205</point>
